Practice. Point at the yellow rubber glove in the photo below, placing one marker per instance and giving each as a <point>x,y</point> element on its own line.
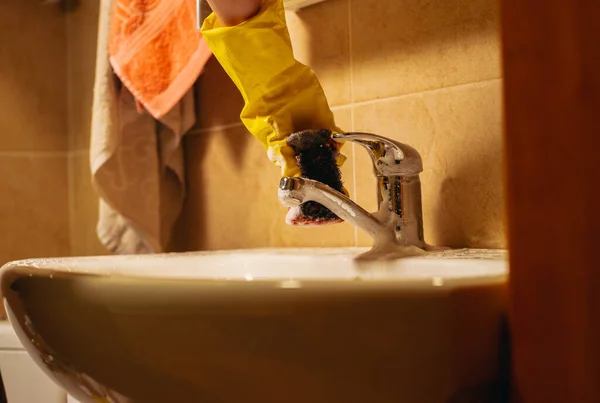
<point>282,96</point>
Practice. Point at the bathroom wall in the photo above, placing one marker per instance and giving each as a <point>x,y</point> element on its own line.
<point>81,27</point>
<point>423,72</point>
<point>33,131</point>
<point>48,207</point>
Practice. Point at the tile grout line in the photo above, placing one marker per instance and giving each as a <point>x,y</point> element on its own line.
<point>69,84</point>
<point>34,154</point>
<point>351,56</point>
<point>70,201</point>
<point>355,190</point>
<point>426,92</point>
<point>214,128</point>
<point>79,152</point>
<point>340,107</point>
<point>70,154</point>
<point>351,62</point>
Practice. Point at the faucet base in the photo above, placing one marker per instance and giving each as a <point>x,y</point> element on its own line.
<point>391,251</point>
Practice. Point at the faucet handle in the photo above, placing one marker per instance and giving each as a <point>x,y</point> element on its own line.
<point>389,157</point>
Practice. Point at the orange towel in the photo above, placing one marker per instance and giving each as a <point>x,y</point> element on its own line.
<point>156,50</point>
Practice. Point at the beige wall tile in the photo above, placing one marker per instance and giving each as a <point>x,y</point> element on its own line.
<point>82,29</point>
<point>320,38</point>
<point>33,207</point>
<point>219,102</point>
<point>458,132</point>
<point>407,46</point>
<point>84,208</point>
<point>33,78</point>
<point>232,200</point>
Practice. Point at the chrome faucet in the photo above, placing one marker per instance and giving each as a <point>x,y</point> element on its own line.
<point>397,166</point>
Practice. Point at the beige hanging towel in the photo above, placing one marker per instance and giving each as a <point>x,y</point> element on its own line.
<point>136,160</point>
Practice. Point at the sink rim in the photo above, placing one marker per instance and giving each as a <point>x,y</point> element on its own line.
<point>439,270</point>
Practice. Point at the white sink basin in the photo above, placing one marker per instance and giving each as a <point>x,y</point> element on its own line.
<point>268,326</point>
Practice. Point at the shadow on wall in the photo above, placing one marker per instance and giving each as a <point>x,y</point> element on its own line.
<point>190,222</point>
<point>470,207</point>
<point>468,210</point>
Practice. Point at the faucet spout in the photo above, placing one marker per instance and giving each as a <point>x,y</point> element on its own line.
<point>295,191</point>
<point>398,223</point>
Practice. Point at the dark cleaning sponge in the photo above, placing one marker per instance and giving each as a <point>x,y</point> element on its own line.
<point>316,155</point>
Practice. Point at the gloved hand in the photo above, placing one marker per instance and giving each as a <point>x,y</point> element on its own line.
<point>282,97</point>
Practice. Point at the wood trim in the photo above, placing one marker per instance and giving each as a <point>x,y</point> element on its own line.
<point>551,56</point>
